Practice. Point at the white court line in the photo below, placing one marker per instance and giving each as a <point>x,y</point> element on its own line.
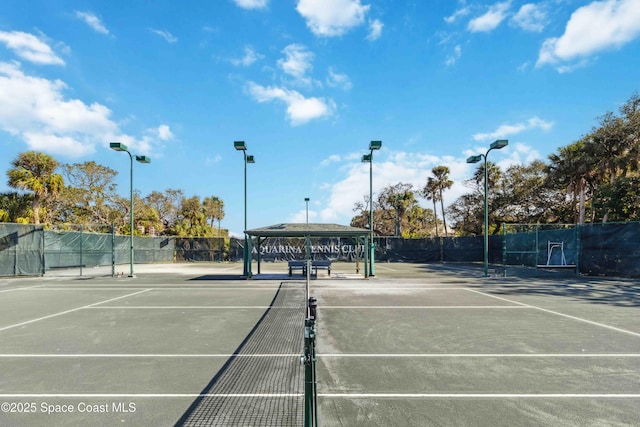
<point>591,322</point>
<point>378,266</point>
<point>482,395</point>
<point>481,355</point>
<point>402,307</point>
<point>373,289</point>
<point>21,288</point>
<point>156,287</point>
<point>141,395</point>
<point>181,307</point>
<point>71,311</point>
<point>142,355</point>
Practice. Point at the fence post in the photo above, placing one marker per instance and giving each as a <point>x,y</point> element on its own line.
<point>578,247</point>
<point>113,250</point>
<point>43,257</point>
<point>504,249</point>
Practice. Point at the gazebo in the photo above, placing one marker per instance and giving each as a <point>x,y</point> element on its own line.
<point>308,231</point>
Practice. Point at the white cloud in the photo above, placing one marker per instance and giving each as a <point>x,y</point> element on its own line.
<point>328,18</point>
<point>37,111</point>
<point>530,17</point>
<point>300,110</point>
<point>30,48</point>
<point>57,144</point>
<point>335,79</point>
<point>490,20</point>
<point>166,35</point>
<point>164,133</point>
<point>506,130</point>
<point>453,56</point>
<point>464,11</point>
<point>93,21</point>
<point>598,26</point>
<point>300,217</point>
<point>250,56</point>
<point>297,63</point>
<point>251,4</point>
<point>334,158</point>
<point>375,30</point>
<point>389,169</point>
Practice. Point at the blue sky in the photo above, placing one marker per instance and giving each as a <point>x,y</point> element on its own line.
<point>307,84</point>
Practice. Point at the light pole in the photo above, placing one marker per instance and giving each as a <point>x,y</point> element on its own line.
<point>306,199</point>
<point>246,271</point>
<point>219,229</point>
<point>118,146</point>
<point>495,145</point>
<point>368,158</point>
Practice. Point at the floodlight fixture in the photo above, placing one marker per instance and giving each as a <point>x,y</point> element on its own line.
<point>250,159</point>
<point>118,146</point>
<point>474,159</point>
<point>498,144</point>
<point>375,145</point>
<point>366,158</point>
<point>143,159</point>
<point>240,145</point>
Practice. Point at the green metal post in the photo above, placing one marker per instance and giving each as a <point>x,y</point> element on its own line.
<point>486,219</point>
<point>504,249</point>
<point>131,216</point>
<point>309,378</point>
<point>578,247</point>
<point>113,250</point>
<point>80,250</point>
<point>371,244</point>
<point>245,270</point>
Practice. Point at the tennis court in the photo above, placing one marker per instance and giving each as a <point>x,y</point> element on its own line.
<point>416,345</point>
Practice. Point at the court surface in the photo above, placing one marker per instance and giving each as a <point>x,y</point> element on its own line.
<point>417,345</point>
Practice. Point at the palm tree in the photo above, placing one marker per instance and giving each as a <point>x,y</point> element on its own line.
<point>430,192</point>
<point>34,171</point>
<point>442,183</point>
<point>573,167</point>
<point>214,208</point>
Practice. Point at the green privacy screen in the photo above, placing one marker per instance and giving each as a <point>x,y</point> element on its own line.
<point>593,249</point>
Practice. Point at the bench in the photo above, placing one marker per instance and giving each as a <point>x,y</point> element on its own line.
<point>321,264</point>
<point>315,265</point>
<point>297,265</point>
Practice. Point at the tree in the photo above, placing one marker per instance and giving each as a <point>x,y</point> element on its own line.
<point>574,169</point>
<point>442,182</point>
<point>525,196</point>
<point>394,201</point>
<point>34,171</point>
<point>430,192</point>
<point>166,205</point>
<point>213,209</point>
<point>90,193</point>
<point>15,207</point>
<point>192,220</point>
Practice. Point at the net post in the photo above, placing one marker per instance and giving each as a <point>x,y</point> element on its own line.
<point>309,361</point>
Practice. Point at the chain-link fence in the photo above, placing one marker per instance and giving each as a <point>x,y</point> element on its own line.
<point>594,249</point>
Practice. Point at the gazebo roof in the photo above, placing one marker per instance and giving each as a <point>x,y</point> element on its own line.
<point>311,230</point>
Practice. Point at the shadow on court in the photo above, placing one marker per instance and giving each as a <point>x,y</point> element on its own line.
<point>527,281</point>
<point>262,383</point>
<point>219,277</point>
<point>621,295</point>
